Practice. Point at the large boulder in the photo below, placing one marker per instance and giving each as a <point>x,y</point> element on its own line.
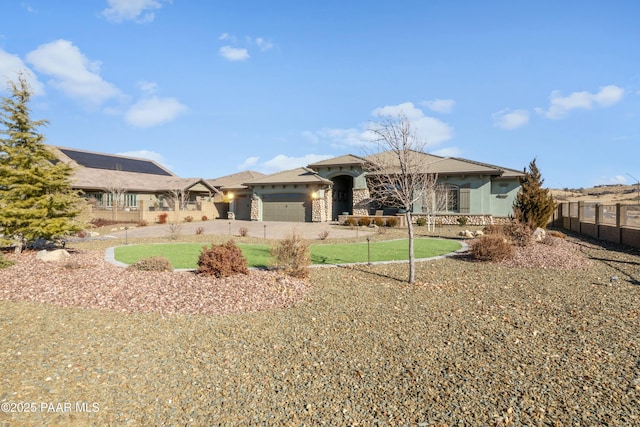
<point>53,256</point>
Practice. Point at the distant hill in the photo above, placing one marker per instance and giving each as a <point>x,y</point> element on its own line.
<point>617,193</point>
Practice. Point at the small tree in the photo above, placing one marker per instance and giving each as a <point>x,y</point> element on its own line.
<point>534,204</point>
<point>36,199</point>
<point>398,176</point>
<point>179,197</point>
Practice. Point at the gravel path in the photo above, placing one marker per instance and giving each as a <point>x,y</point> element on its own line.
<point>470,344</point>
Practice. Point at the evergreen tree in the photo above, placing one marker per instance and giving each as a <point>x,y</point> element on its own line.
<point>36,199</point>
<point>534,204</point>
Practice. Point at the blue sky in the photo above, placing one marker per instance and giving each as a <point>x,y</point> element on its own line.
<point>210,88</point>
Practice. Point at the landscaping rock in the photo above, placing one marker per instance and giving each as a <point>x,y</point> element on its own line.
<point>53,256</point>
<point>539,234</point>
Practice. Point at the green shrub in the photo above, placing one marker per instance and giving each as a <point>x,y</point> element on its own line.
<point>463,220</point>
<point>421,221</point>
<point>392,222</point>
<point>364,221</point>
<point>222,260</point>
<point>4,263</point>
<point>154,263</point>
<point>292,256</point>
<point>378,221</point>
<point>492,247</point>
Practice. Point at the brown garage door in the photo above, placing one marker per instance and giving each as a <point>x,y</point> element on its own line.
<point>286,207</point>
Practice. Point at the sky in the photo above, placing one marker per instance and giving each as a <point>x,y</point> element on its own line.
<point>211,88</point>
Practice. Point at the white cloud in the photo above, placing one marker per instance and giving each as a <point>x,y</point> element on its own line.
<point>440,105</point>
<point>263,44</point>
<point>282,162</point>
<point>147,154</point>
<point>10,66</point>
<point>249,163</point>
<point>148,88</point>
<point>448,152</point>
<point>154,111</point>
<point>507,119</point>
<point>72,72</point>
<point>561,105</point>
<point>132,10</point>
<point>432,130</point>
<point>233,53</point>
<point>618,179</point>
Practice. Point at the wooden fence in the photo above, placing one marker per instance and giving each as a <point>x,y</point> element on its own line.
<point>617,223</point>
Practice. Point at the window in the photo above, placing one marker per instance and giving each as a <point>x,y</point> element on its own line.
<point>445,198</point>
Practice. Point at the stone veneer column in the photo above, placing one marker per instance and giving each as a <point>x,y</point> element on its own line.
<point>328,204</point>
<point>361,198</point>
<point>255,209</point>
<point>318,210</point>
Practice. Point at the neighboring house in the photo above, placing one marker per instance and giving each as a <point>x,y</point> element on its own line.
<point>324,191</point>
<point>129,188</point>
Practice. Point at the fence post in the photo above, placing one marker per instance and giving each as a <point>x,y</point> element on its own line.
<point>598,208</point>
<point>620,221</point>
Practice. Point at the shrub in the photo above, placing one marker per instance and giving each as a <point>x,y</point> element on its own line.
<point>378,221</point>
<point>4,263</point>
<point>421,221</point>
<point>323,234</point>
<point>244,231</point>
<point>154,263</point>
<point>162,218</point>
<point>463,220</point>
<point>188,218</point>
<point>392,222</point>
<point>351,222</point>
<point>292,256</point>
<point>204,218</point>
<point>175,229</point>
<point>519,232</point>
<point>364,221</point>
<point>222,260</point>
<point>199,230</point>
<point>556,233</point>
<point>142,223</point>
<point>492,247</point>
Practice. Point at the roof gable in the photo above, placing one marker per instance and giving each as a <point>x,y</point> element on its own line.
<point>293,176</point>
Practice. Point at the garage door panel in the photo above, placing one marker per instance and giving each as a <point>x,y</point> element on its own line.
<point>285,207</point>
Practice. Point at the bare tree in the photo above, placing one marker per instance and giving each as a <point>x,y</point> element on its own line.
<point>434,200</point>
<point>117,191</point>
<point>179,197</point>
<point>398,173</point>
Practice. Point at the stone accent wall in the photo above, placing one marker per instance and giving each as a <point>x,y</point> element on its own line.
<point>328,203</point>
<point>361,199</point>
<point>255,209</point>
<point>318,211</point>
<point>471,219</point>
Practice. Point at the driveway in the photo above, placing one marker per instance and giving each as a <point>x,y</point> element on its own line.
<point>268,229</point>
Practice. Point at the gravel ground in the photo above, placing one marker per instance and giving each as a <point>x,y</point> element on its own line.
<point>543,341</point>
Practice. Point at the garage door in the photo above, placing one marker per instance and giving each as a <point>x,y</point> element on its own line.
<point>285,207</point>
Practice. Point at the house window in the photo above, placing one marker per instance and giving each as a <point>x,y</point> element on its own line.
<point>131,200</point>
<point>444,199</point>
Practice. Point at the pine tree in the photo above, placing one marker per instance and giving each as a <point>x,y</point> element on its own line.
<point>36,199</point>
<point>534,204</point>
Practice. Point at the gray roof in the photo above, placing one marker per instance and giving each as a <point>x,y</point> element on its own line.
<point>346,160</point>
<point>234,181</point>
<point>96,177</point>
<point>293,176</point>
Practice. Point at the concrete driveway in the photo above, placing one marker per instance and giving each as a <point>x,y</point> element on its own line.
<point>268,229</point>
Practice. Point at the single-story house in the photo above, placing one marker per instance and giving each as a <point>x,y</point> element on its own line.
<point>130,188</point>
<point>329,189</point>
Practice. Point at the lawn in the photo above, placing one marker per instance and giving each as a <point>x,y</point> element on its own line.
<point>185,255</point>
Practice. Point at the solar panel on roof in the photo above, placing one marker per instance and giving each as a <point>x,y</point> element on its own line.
<point>105,161</point>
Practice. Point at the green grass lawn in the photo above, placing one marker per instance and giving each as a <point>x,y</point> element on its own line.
<point>185,255</point>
